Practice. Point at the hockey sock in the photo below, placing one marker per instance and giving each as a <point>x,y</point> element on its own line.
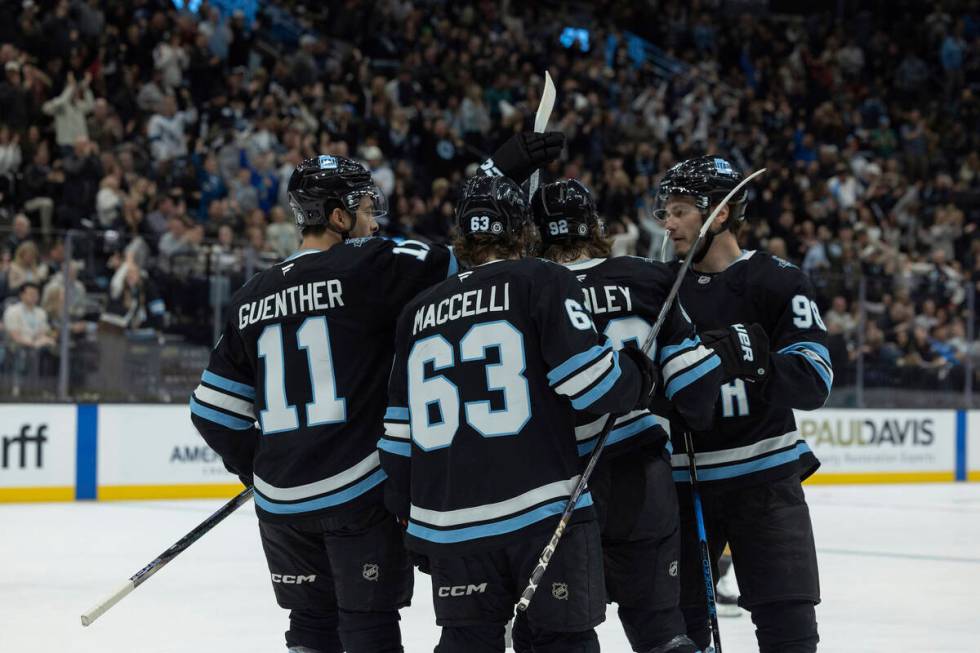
<point>551,642</point>
<point>647,628</point>
<point>316,631</point>
<point>697,625</point>
<point>521,634</point>
<point>786,627</point>
<point>484,638</point>
<point>370,632</point>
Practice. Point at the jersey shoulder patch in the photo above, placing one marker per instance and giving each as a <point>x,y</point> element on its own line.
<point>777,275</point>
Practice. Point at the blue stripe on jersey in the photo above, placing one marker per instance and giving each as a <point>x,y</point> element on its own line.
<point>799,349</point>
<point>453,264</point>
<point>327,501</point>
<point>157,307</point>
<point>620,434</point>
<point>227,384</point>
<point>218,417</point>
<point>396,414</point>
<point>821,370</point>
<point>397,448</point>
<point>601,388</point>
<point>742,469</point>
<point>687,343</point>
<point>816,347</point>
<point>681,381</point>
<point>501,527</point>
<point>577,361</point>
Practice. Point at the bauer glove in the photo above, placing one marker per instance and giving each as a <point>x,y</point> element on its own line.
<point>744,351</point>
<point>649,374</point>
<point>522,154</point>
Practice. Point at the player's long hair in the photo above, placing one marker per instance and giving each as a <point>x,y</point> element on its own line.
<point>476,249</point>
<point>572,249</point>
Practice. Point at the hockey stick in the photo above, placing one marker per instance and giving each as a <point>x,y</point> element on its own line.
<point>709,579</point>
<point>144,574</point>
<point>566,514</point>
<point>541,119</point>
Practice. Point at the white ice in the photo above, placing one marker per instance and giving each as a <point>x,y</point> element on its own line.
<point>899,565</point>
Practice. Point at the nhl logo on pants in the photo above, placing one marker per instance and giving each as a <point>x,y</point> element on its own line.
<point>560,591</point>
<point>672,569</point>
<point>370,572</point>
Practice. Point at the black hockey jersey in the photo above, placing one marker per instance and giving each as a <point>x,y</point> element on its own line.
<point>754,437</point>
<point>490,366</point>
<point>295,391</point>
<point>624,295</point>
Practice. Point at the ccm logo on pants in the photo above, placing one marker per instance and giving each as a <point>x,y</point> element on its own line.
<point>288,579</point>
<point>462,590</point>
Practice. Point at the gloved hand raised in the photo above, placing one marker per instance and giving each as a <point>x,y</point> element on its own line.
<point>522,154</point>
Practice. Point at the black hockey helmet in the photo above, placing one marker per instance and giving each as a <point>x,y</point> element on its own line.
<point>323,183</point>
<point>492,205</point>
<point>705,179</point>
<point>564,210</point>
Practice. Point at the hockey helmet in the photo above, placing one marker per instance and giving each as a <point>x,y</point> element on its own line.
<point>706,180</point>
<point>323,183</point>
<point>564,210</point>
<point>495,206</point>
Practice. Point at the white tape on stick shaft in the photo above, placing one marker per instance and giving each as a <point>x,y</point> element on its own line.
<point>101,608</point>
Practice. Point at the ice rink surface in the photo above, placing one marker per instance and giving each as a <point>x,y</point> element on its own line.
<point>900,571</point>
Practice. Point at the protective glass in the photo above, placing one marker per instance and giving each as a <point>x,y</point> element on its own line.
<point>369,200</point>
<point>677,210</point>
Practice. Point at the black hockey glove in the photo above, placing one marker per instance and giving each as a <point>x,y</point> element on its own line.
<point>649,373</point>
<point>522,154</point>
<point>744,351</point>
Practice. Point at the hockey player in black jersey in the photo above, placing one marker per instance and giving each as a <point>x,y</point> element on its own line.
<point>758,313</point>
<point>632,485</point>
<point>479,443</point>
<point>294,396</point>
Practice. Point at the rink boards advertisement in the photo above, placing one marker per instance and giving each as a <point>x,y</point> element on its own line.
<point>870,446</point>
<point>58,452</point>
<point>38,452</point>
<point>154,452</point>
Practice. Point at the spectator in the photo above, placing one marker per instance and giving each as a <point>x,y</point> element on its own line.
<point>26,267</point>
<point>282,234</point>
<point>134,301</point>
<point>167,129</point>
<point>69,109</point>
<point>29,333</point>
<point>53,300</point>
<point>19,234</point>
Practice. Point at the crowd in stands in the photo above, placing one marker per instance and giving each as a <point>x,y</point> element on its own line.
<point>164,138</point>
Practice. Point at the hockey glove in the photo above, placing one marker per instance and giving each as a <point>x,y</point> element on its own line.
<point>744,351</point>
<point>649,374</point>
<point>522,154</point>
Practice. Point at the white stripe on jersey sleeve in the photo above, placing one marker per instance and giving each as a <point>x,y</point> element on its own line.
<point>398,431</point>
<point>579,382</point>
<point>227,402</point>
<point>683,361</point>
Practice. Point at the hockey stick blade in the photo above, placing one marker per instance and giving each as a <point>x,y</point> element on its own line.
<point>545,558</point>
<point>541,119</point>
<point>160,561</point>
